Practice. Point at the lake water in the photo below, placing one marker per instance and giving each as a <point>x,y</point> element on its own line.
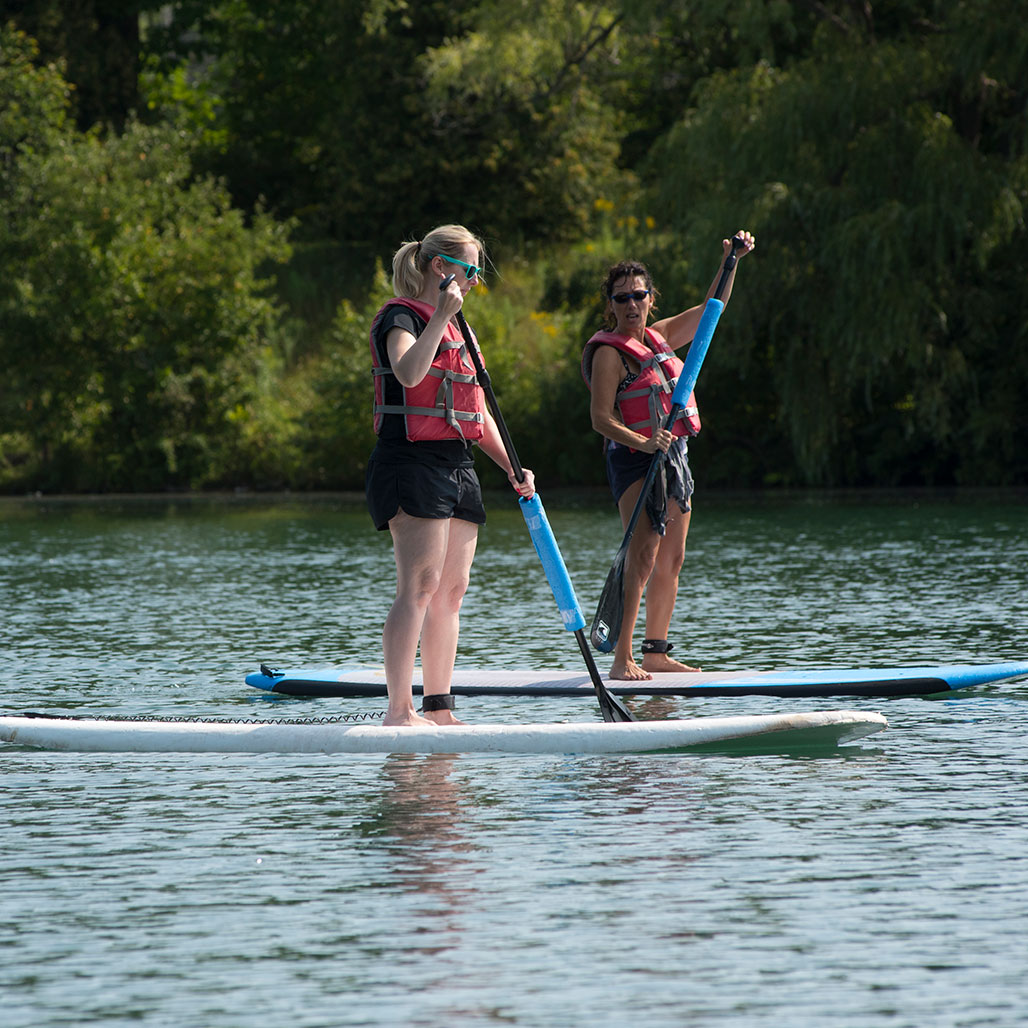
<point>883,885</point>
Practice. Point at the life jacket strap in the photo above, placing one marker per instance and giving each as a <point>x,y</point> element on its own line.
<point>428,412</point>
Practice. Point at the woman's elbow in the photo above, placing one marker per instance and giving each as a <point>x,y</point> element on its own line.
<point>408,377</point>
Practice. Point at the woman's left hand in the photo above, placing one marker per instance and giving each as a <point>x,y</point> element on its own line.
<point>525,488</point>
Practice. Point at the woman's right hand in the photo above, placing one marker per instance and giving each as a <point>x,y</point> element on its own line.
<point>661,441</point>
<point>451,299</point>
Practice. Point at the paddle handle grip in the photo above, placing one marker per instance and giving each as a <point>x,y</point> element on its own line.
<point>552,562</point>
<point>697,351</point>
<point>531,507</point>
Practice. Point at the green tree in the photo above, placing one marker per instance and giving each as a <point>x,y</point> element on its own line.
<point>133,321</point>
<point>879,152</point>
<point>98,43</point>
<point>373,122</point>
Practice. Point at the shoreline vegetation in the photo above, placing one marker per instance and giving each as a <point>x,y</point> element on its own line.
<point>192,250</point>
<point>560,498</point>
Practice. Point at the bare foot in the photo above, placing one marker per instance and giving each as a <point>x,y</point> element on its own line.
<point>661,663</point>
<point>442,717</point>
<point>409,719</point>
<point>628,672</point>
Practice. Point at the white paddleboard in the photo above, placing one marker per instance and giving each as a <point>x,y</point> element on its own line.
<point>771,732</point>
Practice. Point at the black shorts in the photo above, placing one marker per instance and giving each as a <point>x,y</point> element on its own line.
<point>423,491</point>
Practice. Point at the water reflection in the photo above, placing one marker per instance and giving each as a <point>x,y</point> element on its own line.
<point>415,828</point>
<point>418,802</point>
<point>654,708</point>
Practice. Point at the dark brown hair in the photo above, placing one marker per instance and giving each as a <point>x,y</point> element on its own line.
<point>626,269</point>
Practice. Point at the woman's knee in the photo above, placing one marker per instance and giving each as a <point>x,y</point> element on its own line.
<point>643,551</point>
<point>420,586</point>
<point>450,595</point>
<point>670,560</point>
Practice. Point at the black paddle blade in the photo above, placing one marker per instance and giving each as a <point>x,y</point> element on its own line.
<point>606,627</point>
<point>611,707</point>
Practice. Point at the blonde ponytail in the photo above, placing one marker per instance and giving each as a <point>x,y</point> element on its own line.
<point>412,259</point>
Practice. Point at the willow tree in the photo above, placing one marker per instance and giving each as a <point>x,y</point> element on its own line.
<point>883,325</point>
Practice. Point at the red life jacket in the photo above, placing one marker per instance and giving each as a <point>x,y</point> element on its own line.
<point>647,401</point>
<point>447,403</point>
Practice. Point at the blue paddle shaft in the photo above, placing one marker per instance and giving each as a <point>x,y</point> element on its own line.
<point>553,563</point>
<point>698,350</point>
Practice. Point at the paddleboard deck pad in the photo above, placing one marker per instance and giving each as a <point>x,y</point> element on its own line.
<point>770,733</point>
<point>878,682</point>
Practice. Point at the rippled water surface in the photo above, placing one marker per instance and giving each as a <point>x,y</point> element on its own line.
<point>885,884</point>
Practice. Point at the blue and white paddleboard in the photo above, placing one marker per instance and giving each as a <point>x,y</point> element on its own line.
<point>771,733</point>
<point>902,681</point>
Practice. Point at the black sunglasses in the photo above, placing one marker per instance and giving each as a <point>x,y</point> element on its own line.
<point>638,295</point>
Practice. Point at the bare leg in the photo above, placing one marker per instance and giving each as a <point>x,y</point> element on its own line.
<point>642,552</point>
<point>419,549</point>
<point>662,592</point>
<point>442,621</point>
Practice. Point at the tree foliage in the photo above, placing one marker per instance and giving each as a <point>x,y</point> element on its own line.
<point>131,306</point>
<point>98,42</point>
<point>372,121</point>
<point>879,335</point>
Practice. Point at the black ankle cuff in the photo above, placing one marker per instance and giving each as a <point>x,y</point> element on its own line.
<point>657,646</point>
<point>439,701</point>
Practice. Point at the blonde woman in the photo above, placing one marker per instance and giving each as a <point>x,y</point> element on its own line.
<point>421,482</point>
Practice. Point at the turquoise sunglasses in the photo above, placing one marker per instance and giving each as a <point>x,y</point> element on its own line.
<point>472,270</point>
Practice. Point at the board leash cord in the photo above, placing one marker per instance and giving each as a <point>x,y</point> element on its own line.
<point>334,719</point>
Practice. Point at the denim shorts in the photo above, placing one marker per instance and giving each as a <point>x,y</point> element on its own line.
<point>625,466</point>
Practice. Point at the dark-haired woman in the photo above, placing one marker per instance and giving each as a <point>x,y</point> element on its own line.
<point>421,482</point>
<point>631,369</point>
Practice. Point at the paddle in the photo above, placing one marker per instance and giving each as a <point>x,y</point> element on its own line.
<point>606,626</point>
<point>542,538</point>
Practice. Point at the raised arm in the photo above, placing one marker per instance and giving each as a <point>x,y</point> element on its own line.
<point>411,358</point>
<point>679,329</point>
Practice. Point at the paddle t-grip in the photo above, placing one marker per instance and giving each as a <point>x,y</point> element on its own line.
<point>697,351</point>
